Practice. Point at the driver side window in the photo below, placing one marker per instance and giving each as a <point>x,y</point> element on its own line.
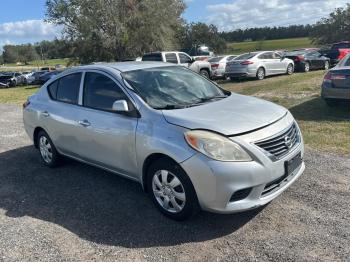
<point>184,59</point>
<point>100,92</point>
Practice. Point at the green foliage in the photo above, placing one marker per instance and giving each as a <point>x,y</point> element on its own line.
<point>19,53</point>
<point>105,30</point>
<point>1,60</point>
<point>200,33</point>
<point>333,29</point>
<point>280,44</point>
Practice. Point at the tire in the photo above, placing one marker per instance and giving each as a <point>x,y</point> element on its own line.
<point>331,102</point>
<point>260,74</point>
<point>326,65</point>
<point>204,73</point>
<point>290,69</point>
<point>12,84</point>
<point>233,79</point>
<point>47,150</point>
<point>175,197</point>
<point>306,67</point>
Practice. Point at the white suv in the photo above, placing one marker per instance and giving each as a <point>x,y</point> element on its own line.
<point>200,67</point>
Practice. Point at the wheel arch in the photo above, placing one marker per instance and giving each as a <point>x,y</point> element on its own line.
<point>35,135</point>
<point>148,162</point>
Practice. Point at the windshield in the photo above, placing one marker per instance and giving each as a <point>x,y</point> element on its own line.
<point>172,87</point>
<point>246,56</point>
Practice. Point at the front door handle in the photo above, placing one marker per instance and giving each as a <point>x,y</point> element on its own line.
<point>84,123</point>
<point>45,114</point>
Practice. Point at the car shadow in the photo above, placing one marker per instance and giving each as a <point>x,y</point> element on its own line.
<point>316,109</point>
<point>99,206</point>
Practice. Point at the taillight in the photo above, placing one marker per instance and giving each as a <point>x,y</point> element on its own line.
<point>299,58</point>
<point>329,77</point>
<point>25,104</point>
<point>214,66</point>
<point>247,62</point>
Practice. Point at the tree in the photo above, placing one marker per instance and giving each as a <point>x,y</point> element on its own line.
<point>200,33</point>
<point>335,28</point>
<point>117,29</point>
<point>10,54</point>
<point>1,60</point>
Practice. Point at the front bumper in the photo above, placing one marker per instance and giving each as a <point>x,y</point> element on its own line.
<point>217,182</point>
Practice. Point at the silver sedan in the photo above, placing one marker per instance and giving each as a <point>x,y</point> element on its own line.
<point>190,144</point>
<point>259,65</point>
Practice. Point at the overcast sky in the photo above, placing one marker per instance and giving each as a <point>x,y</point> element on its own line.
<point>21,21</point>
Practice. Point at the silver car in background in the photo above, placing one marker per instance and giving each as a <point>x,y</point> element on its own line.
<point>218,65</point>
<point>259,65</point>
<point>189,143</point>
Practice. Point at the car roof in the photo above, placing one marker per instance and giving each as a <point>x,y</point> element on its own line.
<point>125,66</point>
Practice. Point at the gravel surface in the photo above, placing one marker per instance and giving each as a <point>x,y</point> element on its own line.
<point>80,213</point>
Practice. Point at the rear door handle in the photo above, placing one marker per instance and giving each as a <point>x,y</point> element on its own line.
<point>45,114</point>
<point>84,123</point>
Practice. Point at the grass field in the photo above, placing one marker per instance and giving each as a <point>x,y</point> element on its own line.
<point>35,65</point>
<point>324,128</point>
<point>288,44</point>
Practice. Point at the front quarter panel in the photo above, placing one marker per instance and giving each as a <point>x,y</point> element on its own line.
<point>160,137</point>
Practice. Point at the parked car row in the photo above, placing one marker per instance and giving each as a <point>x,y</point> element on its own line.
<point>12,79</point>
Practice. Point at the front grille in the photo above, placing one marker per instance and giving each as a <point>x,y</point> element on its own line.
<point>281,144</point>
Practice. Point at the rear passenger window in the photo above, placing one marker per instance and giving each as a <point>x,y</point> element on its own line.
<point>68,88</point>
<point>171,58</point>
<point>52,89</point>
<point>100,92</point>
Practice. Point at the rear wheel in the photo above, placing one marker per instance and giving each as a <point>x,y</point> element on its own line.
<point>171,190</point>
<point>326,65</point>
<point>260,74</point>
<point>290,69</point>
<point>204,73</point>
<point>47,149</point>
<point>306,67</point>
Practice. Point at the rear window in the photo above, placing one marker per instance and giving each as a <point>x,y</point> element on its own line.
<point>245,56</point>
<point>215,59</point>
<point>52,89</point>
<point>68,88</point>
<point>152,57</point>
<point>345,61</point>
<point>171,58</point>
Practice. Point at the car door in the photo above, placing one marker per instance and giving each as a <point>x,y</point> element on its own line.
<point>185,60</point>
<point>268,61</point>
<point>60,115</point>
<point>106,138</point>
<point>279,64</point>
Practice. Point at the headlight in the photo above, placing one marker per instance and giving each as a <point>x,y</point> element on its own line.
<point>216,146</point>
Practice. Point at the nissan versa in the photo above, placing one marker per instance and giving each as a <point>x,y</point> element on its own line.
<point>189,143</point>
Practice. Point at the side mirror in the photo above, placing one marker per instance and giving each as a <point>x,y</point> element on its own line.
<point>192,60</point>
<point>120,106</point>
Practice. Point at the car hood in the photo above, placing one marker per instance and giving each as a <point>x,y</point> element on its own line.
<point>233,115</point>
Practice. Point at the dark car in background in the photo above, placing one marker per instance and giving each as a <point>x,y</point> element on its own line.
<point>308,59</point>
<point>336,83</point>
<point>47,76</point>
<point>37,76</point>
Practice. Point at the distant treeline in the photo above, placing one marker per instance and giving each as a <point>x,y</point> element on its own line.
<point>267,33</point>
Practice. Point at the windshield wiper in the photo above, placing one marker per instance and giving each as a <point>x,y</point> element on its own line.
<point>207,99</point>
<point>170,107</point>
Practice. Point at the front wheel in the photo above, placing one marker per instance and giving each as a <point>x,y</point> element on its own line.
<point>171,190</point>
<point>260,74</point>
<point>290,69</point>
<point>204,73</point>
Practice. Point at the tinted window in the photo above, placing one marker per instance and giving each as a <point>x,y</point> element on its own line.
<point>68,88</point>
<point>152,57</point>
<point>184,59</point>
<point>269,55</point>
<point>246,56</point>
<point>277,56</point>
<point>100,92</point>
<point>171,58</point>
<point>341,45</point>
<point>52,89</point>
